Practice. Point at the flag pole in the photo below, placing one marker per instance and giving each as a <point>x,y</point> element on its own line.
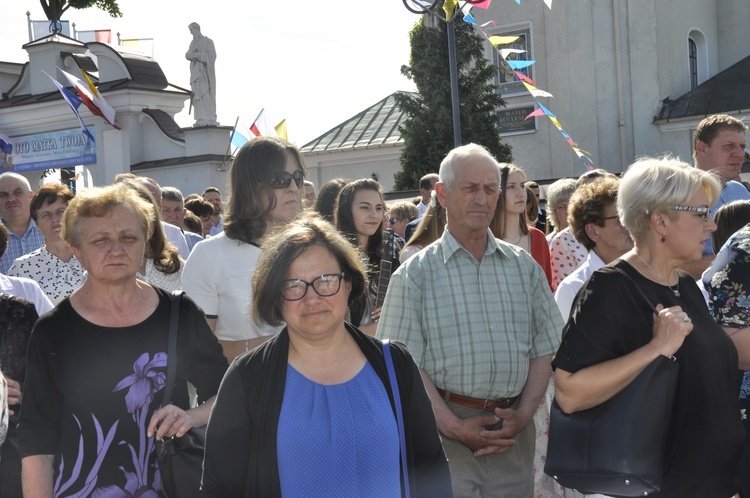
<point>231,136</point>
<point>229,145</point>
<point>256,117</point>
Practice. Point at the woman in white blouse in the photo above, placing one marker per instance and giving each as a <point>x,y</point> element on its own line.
<point>265,187</point>
<point>53,266</point>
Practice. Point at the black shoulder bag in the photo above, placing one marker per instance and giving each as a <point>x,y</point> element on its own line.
<point>180,459</point>
<point>618,447</point>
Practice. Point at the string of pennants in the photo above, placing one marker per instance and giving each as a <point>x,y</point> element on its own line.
<point>516,66</point>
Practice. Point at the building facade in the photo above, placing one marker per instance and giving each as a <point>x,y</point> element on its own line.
<point>149,141</point>
<point>614,67</point>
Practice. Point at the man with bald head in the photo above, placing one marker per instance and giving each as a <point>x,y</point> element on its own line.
<point>23,234</point>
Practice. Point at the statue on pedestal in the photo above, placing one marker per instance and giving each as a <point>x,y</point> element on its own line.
<point>202,57</point>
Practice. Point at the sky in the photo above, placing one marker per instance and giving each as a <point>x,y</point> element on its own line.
<point>315,64</point>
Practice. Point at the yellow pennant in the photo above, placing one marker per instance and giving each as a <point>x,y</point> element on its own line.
<point>502,40</point>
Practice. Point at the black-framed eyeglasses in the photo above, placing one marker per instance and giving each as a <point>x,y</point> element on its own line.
<point>702,211</point>
<point>284,179</point>
<point>324,285</point>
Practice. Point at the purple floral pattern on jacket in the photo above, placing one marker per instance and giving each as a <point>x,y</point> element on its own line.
<point>142,385</point>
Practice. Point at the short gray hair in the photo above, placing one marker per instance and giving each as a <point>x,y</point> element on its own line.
<point>655,185</point>
<point>172,194</point>
<point>448,164</point>
<point>21,178</point>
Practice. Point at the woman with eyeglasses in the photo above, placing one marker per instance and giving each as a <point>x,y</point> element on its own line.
<point>359,217</point>
<point>312,412</point>
<point>642,306</point>
<point>265,185</point>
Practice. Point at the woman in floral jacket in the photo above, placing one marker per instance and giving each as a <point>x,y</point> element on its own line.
<point>97,363</point>
<point>727,282</point>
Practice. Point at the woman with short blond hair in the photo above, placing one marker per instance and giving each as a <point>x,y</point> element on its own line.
<point>643,306</point>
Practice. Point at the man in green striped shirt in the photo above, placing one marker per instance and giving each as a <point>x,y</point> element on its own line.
<point>481,322</point>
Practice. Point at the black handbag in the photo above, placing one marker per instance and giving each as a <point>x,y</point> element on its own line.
<point>618,447</point>
<point>180,459</point>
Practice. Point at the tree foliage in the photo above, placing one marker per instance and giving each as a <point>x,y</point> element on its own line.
<point>54,9</point>
<point>428,128</point>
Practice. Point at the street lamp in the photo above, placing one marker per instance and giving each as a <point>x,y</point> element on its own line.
<point>428,6</point>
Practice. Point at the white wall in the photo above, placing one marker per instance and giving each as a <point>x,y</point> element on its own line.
<point>355,164</point>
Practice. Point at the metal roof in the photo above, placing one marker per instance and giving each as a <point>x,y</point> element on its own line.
<point>375,126</point>
<point>166,124</point>
<point>727,91</point>
<point>145,74</point>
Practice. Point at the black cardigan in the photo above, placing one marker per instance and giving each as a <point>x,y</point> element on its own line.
<point>241,458</point>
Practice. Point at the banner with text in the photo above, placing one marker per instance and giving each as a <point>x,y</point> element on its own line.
<point>58,149</point>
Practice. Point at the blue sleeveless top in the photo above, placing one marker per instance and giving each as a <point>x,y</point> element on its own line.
<point>338,440</point>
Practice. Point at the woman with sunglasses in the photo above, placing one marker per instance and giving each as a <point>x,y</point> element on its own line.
<point>359,217</point>
<point>265,185</point>
<point>312,412</point>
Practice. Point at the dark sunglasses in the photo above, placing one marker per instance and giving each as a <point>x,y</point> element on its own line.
<point>283,180</point>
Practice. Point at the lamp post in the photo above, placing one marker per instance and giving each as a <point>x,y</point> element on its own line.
<point>424,7</point>
<point>451,28</point>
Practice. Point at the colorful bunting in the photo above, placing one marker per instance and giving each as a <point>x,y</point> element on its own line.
<point>536,112</point>
<point>548,3</point>
<point>507,51</point>
<point>523,77</point>
<point>448,7</point>
<point>481,5</point>
<point>515,65</point>
<point>534,91</point>
<point>501,40</point>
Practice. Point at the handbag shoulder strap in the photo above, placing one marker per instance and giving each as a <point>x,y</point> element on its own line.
<point>645,298</point>
<point>640,291</point>
<point>174,318</point>
<point>399,415</point>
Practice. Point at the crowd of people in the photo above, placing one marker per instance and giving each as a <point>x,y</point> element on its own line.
<point>490,305</point>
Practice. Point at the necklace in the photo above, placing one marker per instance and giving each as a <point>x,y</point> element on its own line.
<point>675,289</point>
<point>517,241</point>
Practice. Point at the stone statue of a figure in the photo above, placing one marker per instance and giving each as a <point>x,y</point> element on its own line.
<point>202,57</point>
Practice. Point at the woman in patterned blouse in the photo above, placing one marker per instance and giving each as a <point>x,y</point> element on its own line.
<point>53,266</point>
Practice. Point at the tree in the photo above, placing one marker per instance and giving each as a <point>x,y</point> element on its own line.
<point>428,128</point>
<point>54,9</point>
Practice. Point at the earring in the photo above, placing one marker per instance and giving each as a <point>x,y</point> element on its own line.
<point>663,238</point>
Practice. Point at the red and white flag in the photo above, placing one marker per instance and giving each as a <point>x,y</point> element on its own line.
<point>263,126</point>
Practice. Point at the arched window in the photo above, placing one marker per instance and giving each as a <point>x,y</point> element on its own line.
<point>697,58</point>
<point>693,55</point>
